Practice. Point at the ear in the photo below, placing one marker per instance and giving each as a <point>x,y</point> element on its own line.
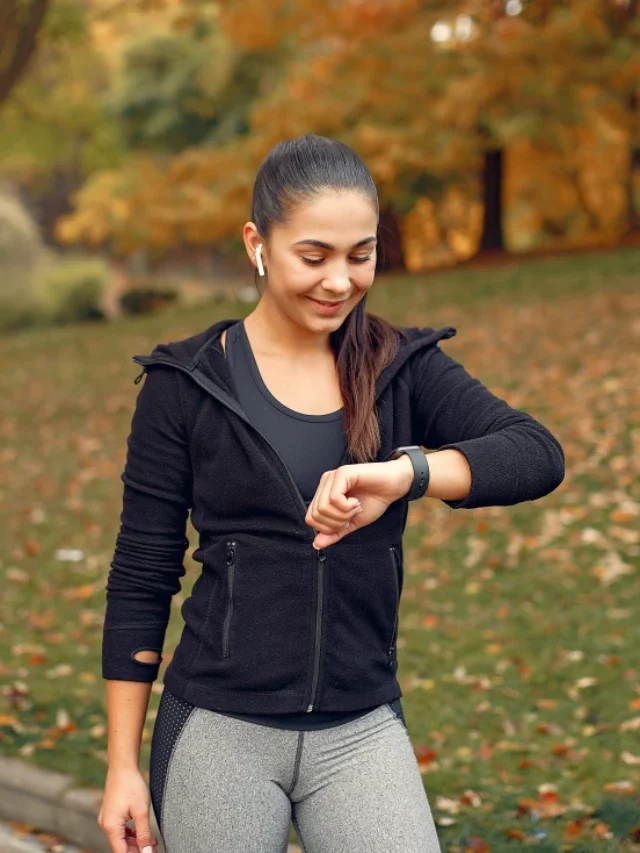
<point>252,240</point>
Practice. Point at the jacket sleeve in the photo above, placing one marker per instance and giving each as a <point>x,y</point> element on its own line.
<point>513,457</point>
<point>150,546</point>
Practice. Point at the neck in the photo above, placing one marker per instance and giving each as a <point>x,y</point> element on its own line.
<point>277,335</point>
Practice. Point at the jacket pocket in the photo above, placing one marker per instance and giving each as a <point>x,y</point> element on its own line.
<point>391,649</point>
<point>226,628</point>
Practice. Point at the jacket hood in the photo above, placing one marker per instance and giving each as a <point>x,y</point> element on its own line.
<point>189,352</point>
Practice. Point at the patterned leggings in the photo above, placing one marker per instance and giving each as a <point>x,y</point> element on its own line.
<point>222,785</point>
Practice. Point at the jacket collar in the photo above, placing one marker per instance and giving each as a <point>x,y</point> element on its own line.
<point>203,353</point>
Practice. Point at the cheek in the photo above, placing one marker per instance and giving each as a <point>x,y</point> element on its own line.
<point>298,278</point>
<point>363,278</point>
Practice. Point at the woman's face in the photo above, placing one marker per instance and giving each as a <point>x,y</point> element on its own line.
<point>326,251</point>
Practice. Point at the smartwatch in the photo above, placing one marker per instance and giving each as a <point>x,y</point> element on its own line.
<point>420,469</point>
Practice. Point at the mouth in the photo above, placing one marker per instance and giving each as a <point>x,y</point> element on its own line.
<point>327,304</point>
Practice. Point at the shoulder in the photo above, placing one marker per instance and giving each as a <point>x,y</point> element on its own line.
<point>184,349</point>
<point>418,344</point>
<point>427,360</point>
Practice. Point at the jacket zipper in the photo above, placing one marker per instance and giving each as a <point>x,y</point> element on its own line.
<point>394,566</point>
<point>322,556</point>
<point>231,552</point>
<point>208,386</point>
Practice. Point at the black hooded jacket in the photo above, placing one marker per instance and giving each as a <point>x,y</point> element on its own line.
<point>273,625</point>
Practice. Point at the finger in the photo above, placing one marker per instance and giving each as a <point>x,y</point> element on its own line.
<point>144,838</point>
<point>333,505</point>
<point>312,510</point>
<point>329,506</point>
<point>132,842</point>
<point>325,539</point>
<point>339,524</point>
<point>337,495</point>
<point>318,504</point>
<point>115,838</point>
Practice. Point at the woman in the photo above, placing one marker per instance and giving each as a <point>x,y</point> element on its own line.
<point>294,439</point>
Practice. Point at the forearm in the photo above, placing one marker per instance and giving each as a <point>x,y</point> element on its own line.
<point>449,475</point>
<point>127,704</point>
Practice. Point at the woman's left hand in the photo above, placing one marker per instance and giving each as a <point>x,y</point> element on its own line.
<point>334,511</point>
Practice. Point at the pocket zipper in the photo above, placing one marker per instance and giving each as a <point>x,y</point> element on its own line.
<point>394,566</point>
<point>231,554</point>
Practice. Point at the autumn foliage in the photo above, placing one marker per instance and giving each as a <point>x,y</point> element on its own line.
<point>481,128</point>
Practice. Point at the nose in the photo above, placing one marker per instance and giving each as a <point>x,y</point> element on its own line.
<point>338,283</point>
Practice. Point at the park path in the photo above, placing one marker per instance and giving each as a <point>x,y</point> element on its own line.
<point>17,838</point>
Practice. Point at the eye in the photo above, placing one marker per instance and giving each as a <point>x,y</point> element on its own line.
<point>357,259</point>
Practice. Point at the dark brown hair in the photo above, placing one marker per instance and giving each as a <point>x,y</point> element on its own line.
<point>292,173</point>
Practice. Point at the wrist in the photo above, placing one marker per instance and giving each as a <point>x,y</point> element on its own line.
<point>123,766</point>
<point>403,473</point>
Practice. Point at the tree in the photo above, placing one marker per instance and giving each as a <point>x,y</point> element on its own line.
<point>428,93</point>
<point>55,127</point>
<point>624,27</point>
<point>20,23</point>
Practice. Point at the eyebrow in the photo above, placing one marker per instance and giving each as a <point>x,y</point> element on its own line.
<point>323,245</point>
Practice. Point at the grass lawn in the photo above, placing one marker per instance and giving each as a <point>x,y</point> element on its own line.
<point>519,647</point>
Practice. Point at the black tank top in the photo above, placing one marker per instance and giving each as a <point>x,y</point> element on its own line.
<point>309,445</point>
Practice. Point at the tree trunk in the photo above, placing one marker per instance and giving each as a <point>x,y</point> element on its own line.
<point>117,285</point>
<point>492,239</point>
<point>390,251</point>
<point>20,23</point>
<point>633,218</point>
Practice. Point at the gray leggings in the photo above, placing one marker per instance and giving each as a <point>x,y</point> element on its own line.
<point>222,785</point>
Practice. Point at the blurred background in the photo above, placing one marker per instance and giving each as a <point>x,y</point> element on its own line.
<point>131,133</point>
<point>504,138</point>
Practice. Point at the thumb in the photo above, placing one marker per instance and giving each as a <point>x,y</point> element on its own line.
<point>324,540</point>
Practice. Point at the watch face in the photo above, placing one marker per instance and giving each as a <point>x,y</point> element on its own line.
<point>398,451</point>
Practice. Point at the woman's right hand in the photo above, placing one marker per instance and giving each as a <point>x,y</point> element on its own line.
<point>126,797</point>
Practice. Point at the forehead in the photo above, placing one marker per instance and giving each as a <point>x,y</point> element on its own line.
<point>337,217</point>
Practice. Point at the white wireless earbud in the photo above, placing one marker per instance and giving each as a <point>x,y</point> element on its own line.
<point>259,259</point>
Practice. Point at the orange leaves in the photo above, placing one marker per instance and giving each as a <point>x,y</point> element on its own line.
<point>623,517</point>
<point>623,787</point>
<point>254,24</point>
<point>575,828</point>
<point>41,620</point>
<point>476,844</point>
<point>425,757</point>
<point>82,592</point>
<point>516,834</point>
<point>154,204</point>
<point>547,805</point>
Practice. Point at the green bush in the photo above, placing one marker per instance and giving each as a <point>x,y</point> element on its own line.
<point>71,289</point>
<point>21,250</point>
<point>143,300</point>
<point>19,314</point>
<point>20,243</point>
<point>62,290</point>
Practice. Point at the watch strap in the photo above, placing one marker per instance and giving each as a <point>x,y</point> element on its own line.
<point>420,469</point>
